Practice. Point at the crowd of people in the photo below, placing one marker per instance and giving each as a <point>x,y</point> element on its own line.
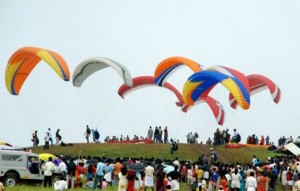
<point>160,135</point>
<point>223,137</point>
<point>192,138</point>
<point>205,174</point>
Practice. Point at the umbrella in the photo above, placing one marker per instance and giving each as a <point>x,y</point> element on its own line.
<point>45,156</point>
<point>92,161</point>
<point>136,167</point>
<point>168,169</point>
<point>56,161</point>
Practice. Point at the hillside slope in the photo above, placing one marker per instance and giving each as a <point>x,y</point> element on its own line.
<point>185,151</point>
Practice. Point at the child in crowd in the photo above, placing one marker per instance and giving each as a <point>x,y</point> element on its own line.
<point>89,183</point>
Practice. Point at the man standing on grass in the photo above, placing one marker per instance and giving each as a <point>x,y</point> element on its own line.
<point>117,169</point>
<point>251,182</point>
<point>150,133</point>
<point>149,181</point>
<point>99,174</point>
<point>48,169</point>
<point>166,135</point>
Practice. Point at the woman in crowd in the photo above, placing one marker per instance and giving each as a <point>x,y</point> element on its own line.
<point>262,182</point>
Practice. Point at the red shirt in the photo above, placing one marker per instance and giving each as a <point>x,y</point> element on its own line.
<point>289,176</point>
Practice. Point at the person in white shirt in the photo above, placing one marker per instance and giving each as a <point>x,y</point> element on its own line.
<point>149,182</point>
<point>50,136</point>
<point>63,168</point>
<point>48,169</point>
<point>177,163</point>
<point>236,180</point>
<point>60,185</point>
<point>251,182</point>
<point>47,138</point>
<point>228,178</point>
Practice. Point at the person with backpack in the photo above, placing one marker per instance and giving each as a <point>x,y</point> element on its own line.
<point>97,136</point>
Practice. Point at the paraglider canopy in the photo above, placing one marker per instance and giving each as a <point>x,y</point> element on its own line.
<point>92,65</point>
<point>23,61</point>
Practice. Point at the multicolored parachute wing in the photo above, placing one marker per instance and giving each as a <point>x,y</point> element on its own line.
<point>145,81</point>
<point>23,61</point>
<point>236,75</point>
<point>201,83</point>
<point>166,67</point>
<point>214,105</point>
<point>92,65</point>
<point>257,84</point>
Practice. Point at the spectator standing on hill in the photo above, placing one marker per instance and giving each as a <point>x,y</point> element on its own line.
<point>267,140</point>
<point>208,142</point>
<point>156,133</point>
<point>150,133</point>
<point>166,135</point>
<point>97,136</point>
<point>93,132</point>
<point>47,138</point>
<point>87,134</point>
<point>262,140</point>
<point>159,134</point>
<point>50,136</point>
<point>57,137</point>
<point>35,139</point>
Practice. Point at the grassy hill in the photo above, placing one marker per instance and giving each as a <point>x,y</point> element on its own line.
<point>185,151</point>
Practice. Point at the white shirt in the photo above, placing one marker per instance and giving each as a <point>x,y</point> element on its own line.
<point>62,167</point>
<point>235,183</point>
<point>228,177</point>
<point>149,170</point>
<point>48,168</point>
<point>251,183</point>
<point>47,138</point>
<point>60,185</point>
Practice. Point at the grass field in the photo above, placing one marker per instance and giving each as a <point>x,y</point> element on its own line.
<point>185,152</point>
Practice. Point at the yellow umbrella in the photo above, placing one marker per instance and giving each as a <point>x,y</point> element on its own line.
<point>45,156</point>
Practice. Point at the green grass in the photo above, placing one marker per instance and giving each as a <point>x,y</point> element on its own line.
<point>185,152</point>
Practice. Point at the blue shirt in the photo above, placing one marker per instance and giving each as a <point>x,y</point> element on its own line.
<point>109,168</point>
<point>100,169</point>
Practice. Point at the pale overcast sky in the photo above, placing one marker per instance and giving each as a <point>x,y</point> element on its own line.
<point>254,37</point>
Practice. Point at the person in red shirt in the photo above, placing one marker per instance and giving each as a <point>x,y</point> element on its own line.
<point>262,140</point>
<point>289,179</point>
